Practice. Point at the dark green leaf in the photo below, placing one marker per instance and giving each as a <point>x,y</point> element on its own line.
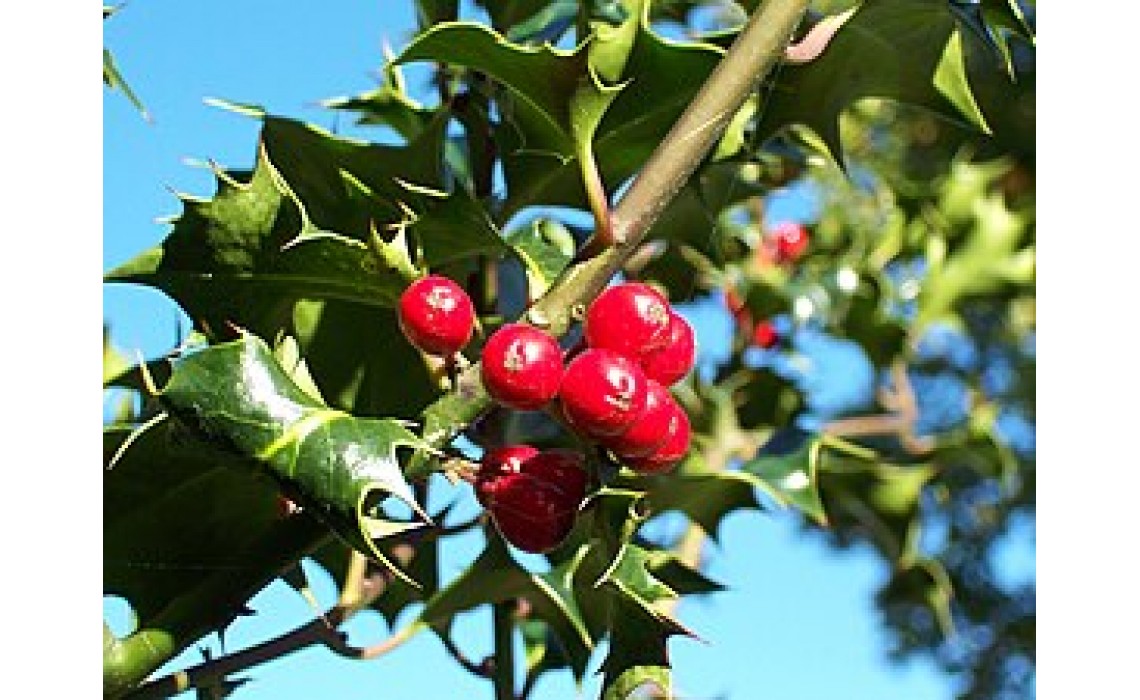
<point>190,533</point>
<point>543,79</point>
<point>660,78</point>
<point>910,51</point>
<point>245,255</point>
<point>388,104</point>
<point>545,247</point>
<point>706,496</point>
<point>787,467</point>
<point>336,466</point>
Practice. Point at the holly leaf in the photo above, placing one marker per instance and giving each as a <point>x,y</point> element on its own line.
<point>545,248</point>
<point>388,105</point>
<point>638,662</point>
<point>659,78</point>
<point>245,255</point>
<point>911,51</point>
<point>543,80</point>
<point>495,577</point>
<point>787,469</point>
<point>336,466</point>
<point>706,496</point>
<point>190,533</point>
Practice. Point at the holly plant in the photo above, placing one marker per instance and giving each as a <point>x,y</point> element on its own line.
<point>509,308</point>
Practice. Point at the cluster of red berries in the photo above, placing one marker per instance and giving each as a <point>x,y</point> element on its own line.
<point>613,391</point>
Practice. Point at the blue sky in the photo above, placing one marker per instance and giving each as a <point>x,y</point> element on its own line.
<point>797,622</point>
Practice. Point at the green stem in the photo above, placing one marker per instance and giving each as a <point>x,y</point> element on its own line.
<point>760,44</point>
<point>504,651</point>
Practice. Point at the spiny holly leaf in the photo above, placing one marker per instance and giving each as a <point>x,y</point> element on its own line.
<point>328,173</point>
<point>659,78</point>
<point>787,467</point>
<point>912,51</point>
<point>454,226</point>
<point>419,558</point>
<point>334,465</point>
<point>495,577</point>
<point>351,351</point>
<point>706,496</point>
<point>668,568</point>
<point>244,256</point>
<point>389,105</point>
<point>190,533</point>
<point>543,79</point>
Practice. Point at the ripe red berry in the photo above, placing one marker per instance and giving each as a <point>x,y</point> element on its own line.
<point>672,361</point>
<point>521,367</point>
<point>497,463</point>
<point>436,315</point>
<point>650,430</point>
<point>791,241</point>
<point>671,451</point>
<point>764,335</point>
<point>533,499</point>
<point>602,392</point>
<point>629,318</point>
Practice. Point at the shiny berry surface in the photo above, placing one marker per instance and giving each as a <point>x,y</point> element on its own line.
<point>602,392</point>
<point>672,361</point>
<point>650,430</point>
<point>671,451</point>
<point>629,318</point>
<point>497,463</point>
<point>533,496</point>
<point>521,367</point>
<point>436,315</point>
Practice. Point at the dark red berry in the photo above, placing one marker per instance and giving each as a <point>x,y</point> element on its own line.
<point>602,392</point>
<point>791,241</point>
<point>671,451</point>
<point>764,335</point>
<point>669,363</point>
<point>496,464</point>
<point>436,315</point>
<point>629,318</point>
<point>650,430</point>
<point>521,367</point>
<point>532,535</point>
<point>533,499</point>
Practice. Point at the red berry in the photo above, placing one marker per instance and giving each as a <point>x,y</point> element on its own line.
<point>671,451</point>
<point>533,499</point>
<point>629,318</point>
<point>602,392</point>
<point>496,464</point>
<point>436,315</point>
<point>791,241</point>
<point>521,367</point>
<point>764,335</point>
<point>650,430</point>
<point>672,361</point>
